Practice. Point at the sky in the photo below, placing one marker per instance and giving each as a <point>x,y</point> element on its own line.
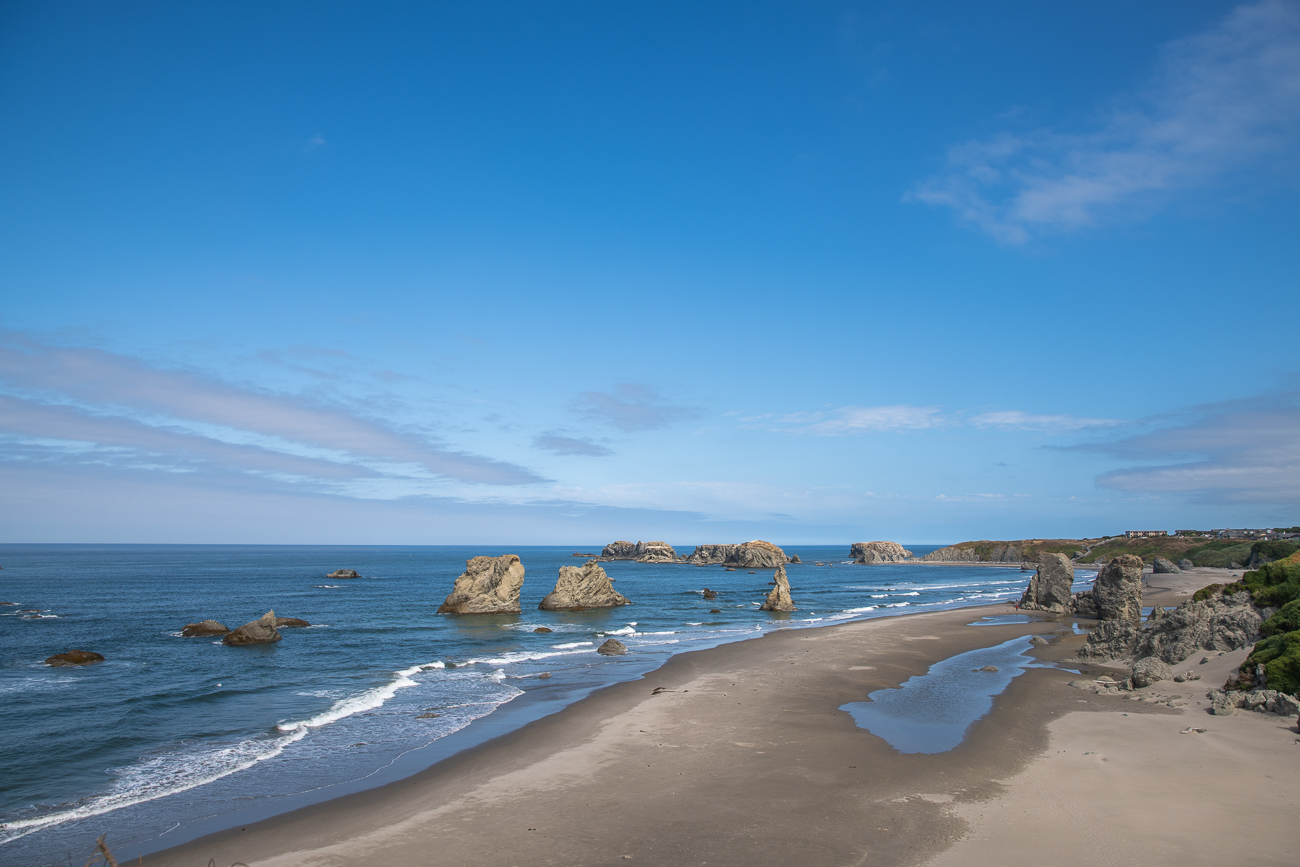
<point>564,273</point>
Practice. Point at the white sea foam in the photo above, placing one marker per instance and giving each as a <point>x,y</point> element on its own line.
<point>695,624</point>
<point>913,593</point>
<point>521,656</point>
<point>879,595</point>
<point>573,644</point>
<point>626,630</point>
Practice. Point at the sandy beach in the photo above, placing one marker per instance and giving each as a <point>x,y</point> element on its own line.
<point>739,755</point>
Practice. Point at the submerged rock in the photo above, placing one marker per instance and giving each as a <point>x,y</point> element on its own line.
<point>749,555</point>
<point>612,647</point>
<point>878,552</point>
<point>588,587</point>
<point>779,599</point>
<point>203,628</point>
<point>1161,566</point>
<point>1050,588</point>
<point>489,585</point>
<point>291,622</point>
<point>74,657</point>
<point>260,631</point>
<point>344,573</point>
<point>1150,670</point>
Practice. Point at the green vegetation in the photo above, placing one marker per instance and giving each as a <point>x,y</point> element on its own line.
<point>1277,584</point>
<point>1216,552</point>
<point>1268,552</point>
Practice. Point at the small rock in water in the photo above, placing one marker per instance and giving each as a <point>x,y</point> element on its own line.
<point>715,610</point>
<point>74,657</point>
<point>260,631</point>
<point>344,573</point>
<point>986,668</point>
<point>709,594</point>
<point>543,629</point>
<point>1039,641</point>
<point>545,675</point>
<point>293,622</point>
<point>428,716</point>
<point>612,647</point>
<point>203,627</point>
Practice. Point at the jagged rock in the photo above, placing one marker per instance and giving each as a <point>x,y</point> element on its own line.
<point>1161,566</point>
<point>1112,639</point>
<point>588,587</point>
<point>1118,589</point>
<point>612,647</point>
<point>202,628</point>
<point>794,558</point>
<point>74,657</point>
<point>1286,705</point>
<point>1049,589</point>
<point>344,573</point>
<point>1039,641</point>
<point>644,552</point>
<point>291,622</point>
<point>1218,623</point>
<point>489,585</point>
<point>779,598</point>
<point>749,555</point>
<point>260,631</point>
<point>1084,604</point>
<point>1186,564</point>
<point>1157,612</point>
<point>710,594</point>
<point>1150,670</point>
<point>878,552</point>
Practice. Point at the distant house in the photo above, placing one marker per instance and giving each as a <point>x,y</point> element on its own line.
<point>1142,534</point>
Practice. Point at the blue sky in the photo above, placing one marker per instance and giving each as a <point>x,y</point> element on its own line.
<point>564,273</point>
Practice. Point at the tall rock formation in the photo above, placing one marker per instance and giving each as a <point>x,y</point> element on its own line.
<point>878,552</point>
<point>1117,592</point>
<point>586,587</point>
<point>489,585</point>
<point>779,599</point>
<point>1051,586</point>
<point>748,555</point>
<point>260,631</point>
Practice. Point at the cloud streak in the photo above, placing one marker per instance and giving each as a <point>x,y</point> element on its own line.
<point>562,445</point>
<point>1221,100</point>
<point>631,407</point>
<point>851,420</point>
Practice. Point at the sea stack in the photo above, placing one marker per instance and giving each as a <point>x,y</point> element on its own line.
<point>878,552</point>
<point>260,631</point>
<point>586,587</point>
<point>74,657</point>
<point>1049,589</point>
<point>1117,591</point>
<point>489,585</point>
<point>748,555</point>
<point>779,599</point>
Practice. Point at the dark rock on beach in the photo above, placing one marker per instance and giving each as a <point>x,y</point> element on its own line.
<point>344,573</point>
<point>612,647</point>
<point>586,587</point>
<point>1050,588</point>
<point>203,628</point>
<point>489,585</point>
<point>260,631</point>
<point>1150,670</point>
<point>1161,566</point>
<point>74,657</point>
<point>1186,565</point>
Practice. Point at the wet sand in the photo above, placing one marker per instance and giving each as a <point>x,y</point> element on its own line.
<point>739,755</point>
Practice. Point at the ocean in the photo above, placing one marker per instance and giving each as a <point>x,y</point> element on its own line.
<point>173,737</point>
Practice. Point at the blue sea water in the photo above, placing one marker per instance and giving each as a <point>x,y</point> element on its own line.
<point>171,736</point>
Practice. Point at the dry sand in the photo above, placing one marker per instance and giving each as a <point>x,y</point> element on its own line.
<point>743,758</point>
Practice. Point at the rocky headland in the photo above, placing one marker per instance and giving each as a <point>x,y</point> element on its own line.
<point>579,588</point>
<point>489,585</point>
<point>878,552</point>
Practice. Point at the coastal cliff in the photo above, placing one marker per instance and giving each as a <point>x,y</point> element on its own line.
<point>1014,551</point>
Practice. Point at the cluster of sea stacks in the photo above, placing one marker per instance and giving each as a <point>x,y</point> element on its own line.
<point>747,555</point>
<point>1167,637</point>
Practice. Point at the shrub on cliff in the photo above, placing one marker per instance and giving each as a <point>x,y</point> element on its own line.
<point>1274,584</point>
<point>1280,656</point>
<point>1286,619</point>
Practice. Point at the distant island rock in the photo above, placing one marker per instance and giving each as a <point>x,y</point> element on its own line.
<point>878,552</point>
<point>74,657</point>
<point>779,599</point>
<point>585,587</point>
<point>344,573</point>
<point>747,555</point>
<point>203,628</point>
<point>489,585</point>
<point>1051,587</point>
<point>643,552</point>
<point>260,631</point>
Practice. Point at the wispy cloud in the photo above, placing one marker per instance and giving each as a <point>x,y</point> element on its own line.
<point>1221,100</point>
<point>631,407</point>
<point>1245,451</point>
<point>1017,420</point>
<point>93,396</point>
<point>862,419</point>
<point>562,445</point>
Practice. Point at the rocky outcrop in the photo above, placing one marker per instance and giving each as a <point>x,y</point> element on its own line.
<point>489,585</point>
<point>644,552</point>
<point>878,552</point>
<point>985,552</point>
<point>344,573</point>
<point>203,628</point>
<point>1150,670</point>
<point>291,622</point>
<point>74,657</point>
<point>1186,565</point>
<point>579,588</point>
<point>1218,623</point>
<point>748,555</point>
<point>1161,566</point>
<point>260,631</point>
<point>1117,592</point>
<point>612,647</point>
<point>1050,588</point>
<point>779,599</point>
<point>1259,700</point>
